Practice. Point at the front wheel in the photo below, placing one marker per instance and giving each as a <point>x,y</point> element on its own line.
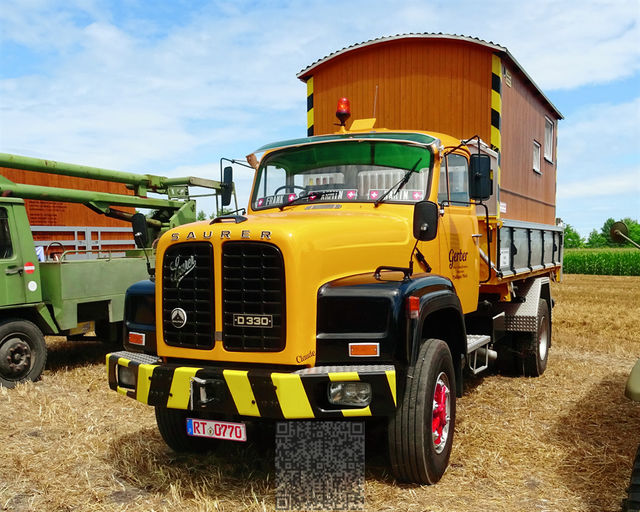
<point>23,352</point>
<point>421,431</point>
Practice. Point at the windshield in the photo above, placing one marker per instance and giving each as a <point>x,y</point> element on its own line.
<point>347,171</point>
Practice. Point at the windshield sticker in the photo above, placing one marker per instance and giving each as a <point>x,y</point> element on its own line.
<point>402,195</point>
<point>337,195</point>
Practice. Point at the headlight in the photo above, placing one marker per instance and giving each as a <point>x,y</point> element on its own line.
<point>356,394</point>
<point>126,377</point>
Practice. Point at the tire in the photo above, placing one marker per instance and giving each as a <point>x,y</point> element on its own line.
<point>172,424</point>
<point>420,436</point>
<point>632,502</point>
<point>535,346</point>
<point>527,353</point>
<point>23,352</point>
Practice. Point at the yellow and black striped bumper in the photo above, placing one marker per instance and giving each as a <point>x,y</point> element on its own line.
<point>253,393</point>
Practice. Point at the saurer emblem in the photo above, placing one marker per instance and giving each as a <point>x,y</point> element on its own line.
<point>178,318</point>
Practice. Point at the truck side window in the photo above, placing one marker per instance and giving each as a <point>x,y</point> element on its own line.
<point>458,171</point>
<point>6,250</point>
<point>443,192</point>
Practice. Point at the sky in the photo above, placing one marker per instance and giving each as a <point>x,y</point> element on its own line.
<point>170,87</point>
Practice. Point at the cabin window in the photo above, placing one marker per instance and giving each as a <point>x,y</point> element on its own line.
<point>454,180</point>
<point>548,139</point>
<point>6,251</point>
<point>343,171</point>
<point>536,157</point>
<point>443,188</point>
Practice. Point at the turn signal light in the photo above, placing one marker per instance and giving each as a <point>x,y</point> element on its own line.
<point>413,307</point>
<point>364,349</point>
<point>136,338</point>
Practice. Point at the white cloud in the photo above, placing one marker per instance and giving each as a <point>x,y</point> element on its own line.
<point>614,184</point>
<point>222,81</point>
<point>564,45</point>
<point>597,135</point>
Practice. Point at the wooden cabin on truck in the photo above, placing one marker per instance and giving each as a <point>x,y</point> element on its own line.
<point>377,264</point>
<point>450,84</point>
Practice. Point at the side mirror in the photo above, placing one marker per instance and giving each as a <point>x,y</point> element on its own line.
<point>425,220</point>
<point>140,233</point>
<point>480,177</point>
<point>227,186</point>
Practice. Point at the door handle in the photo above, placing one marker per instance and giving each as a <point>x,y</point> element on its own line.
<point>14,270</point>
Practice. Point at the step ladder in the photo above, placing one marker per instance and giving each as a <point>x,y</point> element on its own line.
<point>477,346</point>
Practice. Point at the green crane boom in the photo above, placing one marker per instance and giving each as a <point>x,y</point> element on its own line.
<point>169,212</point>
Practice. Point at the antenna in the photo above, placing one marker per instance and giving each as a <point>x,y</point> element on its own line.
<point>375,101</point>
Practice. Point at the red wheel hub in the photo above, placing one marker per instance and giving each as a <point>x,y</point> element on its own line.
<point>441,417</point>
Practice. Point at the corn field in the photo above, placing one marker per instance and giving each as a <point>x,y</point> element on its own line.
<point>611,262</point>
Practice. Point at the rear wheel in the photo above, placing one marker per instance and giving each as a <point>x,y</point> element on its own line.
<point>527,353</point>
<point>23,352</point>
<point>172,424</point>
<point>421,432</point>
<point>535,346</point>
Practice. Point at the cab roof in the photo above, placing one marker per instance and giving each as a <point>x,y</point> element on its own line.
<point>382,135</point>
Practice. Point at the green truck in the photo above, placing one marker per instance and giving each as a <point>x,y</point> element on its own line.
<point>78,291</point>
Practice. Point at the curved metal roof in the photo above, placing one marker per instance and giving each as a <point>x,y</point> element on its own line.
<point>387,136</point>
<point>500,50</point>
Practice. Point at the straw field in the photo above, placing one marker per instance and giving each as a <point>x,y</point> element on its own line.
<point>562,442</point>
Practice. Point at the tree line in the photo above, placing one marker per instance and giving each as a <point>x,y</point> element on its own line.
<point>602,237</point>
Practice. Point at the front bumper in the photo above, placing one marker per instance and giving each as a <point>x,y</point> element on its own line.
<point>253,393</point>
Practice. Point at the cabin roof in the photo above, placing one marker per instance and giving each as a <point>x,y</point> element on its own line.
<point>383,135</point>
<point>499,50</point>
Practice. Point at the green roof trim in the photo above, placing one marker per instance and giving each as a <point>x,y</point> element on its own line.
<point>412,137</point>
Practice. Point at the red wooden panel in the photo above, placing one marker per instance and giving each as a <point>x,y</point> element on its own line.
<point>55,213</point>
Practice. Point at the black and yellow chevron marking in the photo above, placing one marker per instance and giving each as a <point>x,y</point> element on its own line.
<point>310,107</point>
<point>496,119</point>
<point>496,102</point>
<point>251,393</point>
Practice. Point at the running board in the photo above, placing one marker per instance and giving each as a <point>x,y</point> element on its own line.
<point>478,354</point>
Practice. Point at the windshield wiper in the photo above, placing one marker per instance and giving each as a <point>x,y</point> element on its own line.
<point>400,185</point>
<point>309,195</point>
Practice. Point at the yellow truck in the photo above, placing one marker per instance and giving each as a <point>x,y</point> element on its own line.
<point>370,273</point>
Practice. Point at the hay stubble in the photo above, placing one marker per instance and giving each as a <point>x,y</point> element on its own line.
<point>561,442</point>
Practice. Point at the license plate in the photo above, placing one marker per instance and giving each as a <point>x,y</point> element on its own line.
<point>217,429</point>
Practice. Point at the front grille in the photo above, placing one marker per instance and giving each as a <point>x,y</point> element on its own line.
<point>253,290</point>
<point>187,283</point>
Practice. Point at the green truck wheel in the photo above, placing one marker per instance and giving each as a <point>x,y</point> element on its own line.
<point>23,352</point>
